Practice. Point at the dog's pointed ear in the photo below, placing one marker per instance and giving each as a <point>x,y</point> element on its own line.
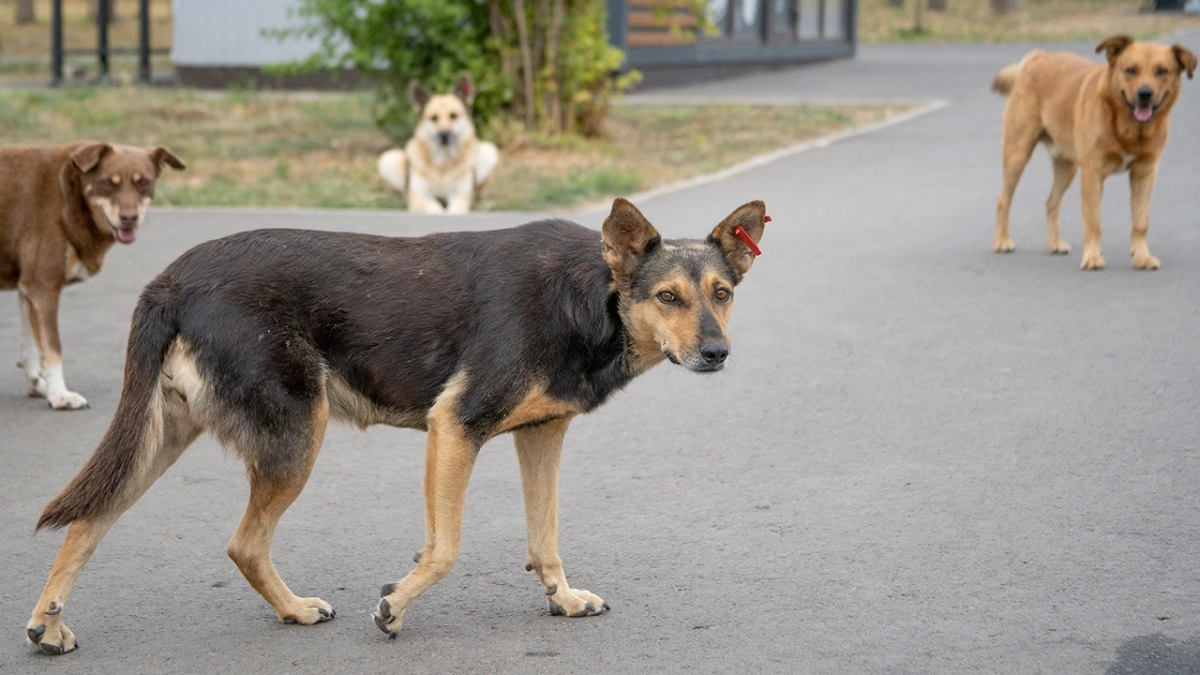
<point>160,155</point>
<point>627,236</point>
<point>418,94</point>
<point>1113,46</point>
<point>464,89</point>
<point>87,157</point>
<point>1186,59</point>
<point>752,219</point>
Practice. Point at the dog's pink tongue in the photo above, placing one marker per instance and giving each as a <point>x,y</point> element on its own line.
<point>1142,113</point>
<point>126,236</point>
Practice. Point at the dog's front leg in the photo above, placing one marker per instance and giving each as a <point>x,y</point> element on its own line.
<point>539,450</point>
<point>29,357</point>
<point>1141,185</point>
<point>420,196</point>
<point>1091,187</point>
<point>460,200</point>
<point>449,458</point>
<point>42,308</point>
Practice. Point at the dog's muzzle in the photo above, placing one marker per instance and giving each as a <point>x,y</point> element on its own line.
<point>1143,107</point>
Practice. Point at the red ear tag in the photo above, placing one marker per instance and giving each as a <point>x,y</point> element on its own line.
<point>741,234</point>
<point>766,219</point>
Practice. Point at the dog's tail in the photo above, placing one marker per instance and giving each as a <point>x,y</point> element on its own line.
<point>136,432</point>
<point>1006,79</point>
<point>393,166</point>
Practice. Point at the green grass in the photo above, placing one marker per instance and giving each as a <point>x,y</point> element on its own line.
<point>250,148</point>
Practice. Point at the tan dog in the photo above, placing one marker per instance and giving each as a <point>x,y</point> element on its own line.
<point>444,166</point>
<point>61,209</point>
<point>1102,119</point>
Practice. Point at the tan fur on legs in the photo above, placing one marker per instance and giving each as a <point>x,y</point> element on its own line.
<point>1141,184</point>
<point>1091,188</point>
<point>449,457</point>
<point>46,628</point>
<point>250,547</point>
<point>1064,173</point>
<point>1019,142</point>
<point>539,450</point>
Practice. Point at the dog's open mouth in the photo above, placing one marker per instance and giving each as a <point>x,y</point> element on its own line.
<point>1142,112</point>
<point>126,235</point>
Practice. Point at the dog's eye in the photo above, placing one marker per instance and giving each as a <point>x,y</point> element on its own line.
<point>433,118</point>
<point>1161,72</point>
<point>722,294</point>
<point>1131,71</point>
<point>453,116</point>
<point>666,297</point>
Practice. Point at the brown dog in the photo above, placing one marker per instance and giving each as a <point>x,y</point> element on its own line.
<point>61,209</point>
<point>1103,119</point>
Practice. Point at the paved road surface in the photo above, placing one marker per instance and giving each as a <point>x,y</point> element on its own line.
<point>924,457</point>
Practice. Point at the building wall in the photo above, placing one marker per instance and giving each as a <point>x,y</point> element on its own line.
<point>228,33</point>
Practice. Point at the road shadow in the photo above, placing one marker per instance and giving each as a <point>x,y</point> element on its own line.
<point>1157,654</point>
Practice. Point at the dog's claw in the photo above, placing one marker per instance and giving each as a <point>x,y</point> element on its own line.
<point>417,557</point>
<point>552,589</point>
<point>323,613</point>
<point>387,590</point>
<point>528,567</point>
<point>587,610</point>
<point>35,634</point>
<point>607,607</point>
<point>556,609</point>
<point>55,608</point>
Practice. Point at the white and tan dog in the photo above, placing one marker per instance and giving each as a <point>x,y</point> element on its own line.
<point>444,166</point>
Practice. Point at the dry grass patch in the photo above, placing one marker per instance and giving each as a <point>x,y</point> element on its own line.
<point>1038,21</point>
<point>265,149</point>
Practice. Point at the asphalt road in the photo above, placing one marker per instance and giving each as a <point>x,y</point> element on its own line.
<point>923,458</point>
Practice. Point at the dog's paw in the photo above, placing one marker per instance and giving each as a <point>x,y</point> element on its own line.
<point>37,387</point>
<point>50,635</point>
<point>386,619</point>
<point>1145,261</point>
<point>1004,245</point>
<point>1060,247</point>
<point>308,611</point>
<point>576,603</point>
<point>1092,260</point>
<point>66,400</point>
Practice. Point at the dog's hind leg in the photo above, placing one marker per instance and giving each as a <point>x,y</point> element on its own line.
<point>271,493</point>
<point>1021,132</point>
<point>1064,173</point>
<point>161,447</point>
<point>539,450</point>
<point>449,457</point>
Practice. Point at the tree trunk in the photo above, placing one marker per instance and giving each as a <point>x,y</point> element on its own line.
<point>554,116</point>
<point>528,68</point>
<point>25,11</point>
<point>937,5</point>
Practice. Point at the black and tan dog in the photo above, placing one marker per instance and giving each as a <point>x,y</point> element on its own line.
<point>264,336</point>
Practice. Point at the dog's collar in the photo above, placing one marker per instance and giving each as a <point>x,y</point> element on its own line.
<point>745,237</point>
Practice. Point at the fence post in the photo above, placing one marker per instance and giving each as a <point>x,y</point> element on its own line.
<point>144,41</point>
<point>56,43</point>
<point>102,14</point>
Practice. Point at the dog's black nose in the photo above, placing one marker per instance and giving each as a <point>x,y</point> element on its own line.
<point>129,218</point>
<point>1145,93</point>
<point>444,137</point>
<point>714,353</point>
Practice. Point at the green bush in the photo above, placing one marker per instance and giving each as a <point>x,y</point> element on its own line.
<point>395,41</point>
<point>546,63</point>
